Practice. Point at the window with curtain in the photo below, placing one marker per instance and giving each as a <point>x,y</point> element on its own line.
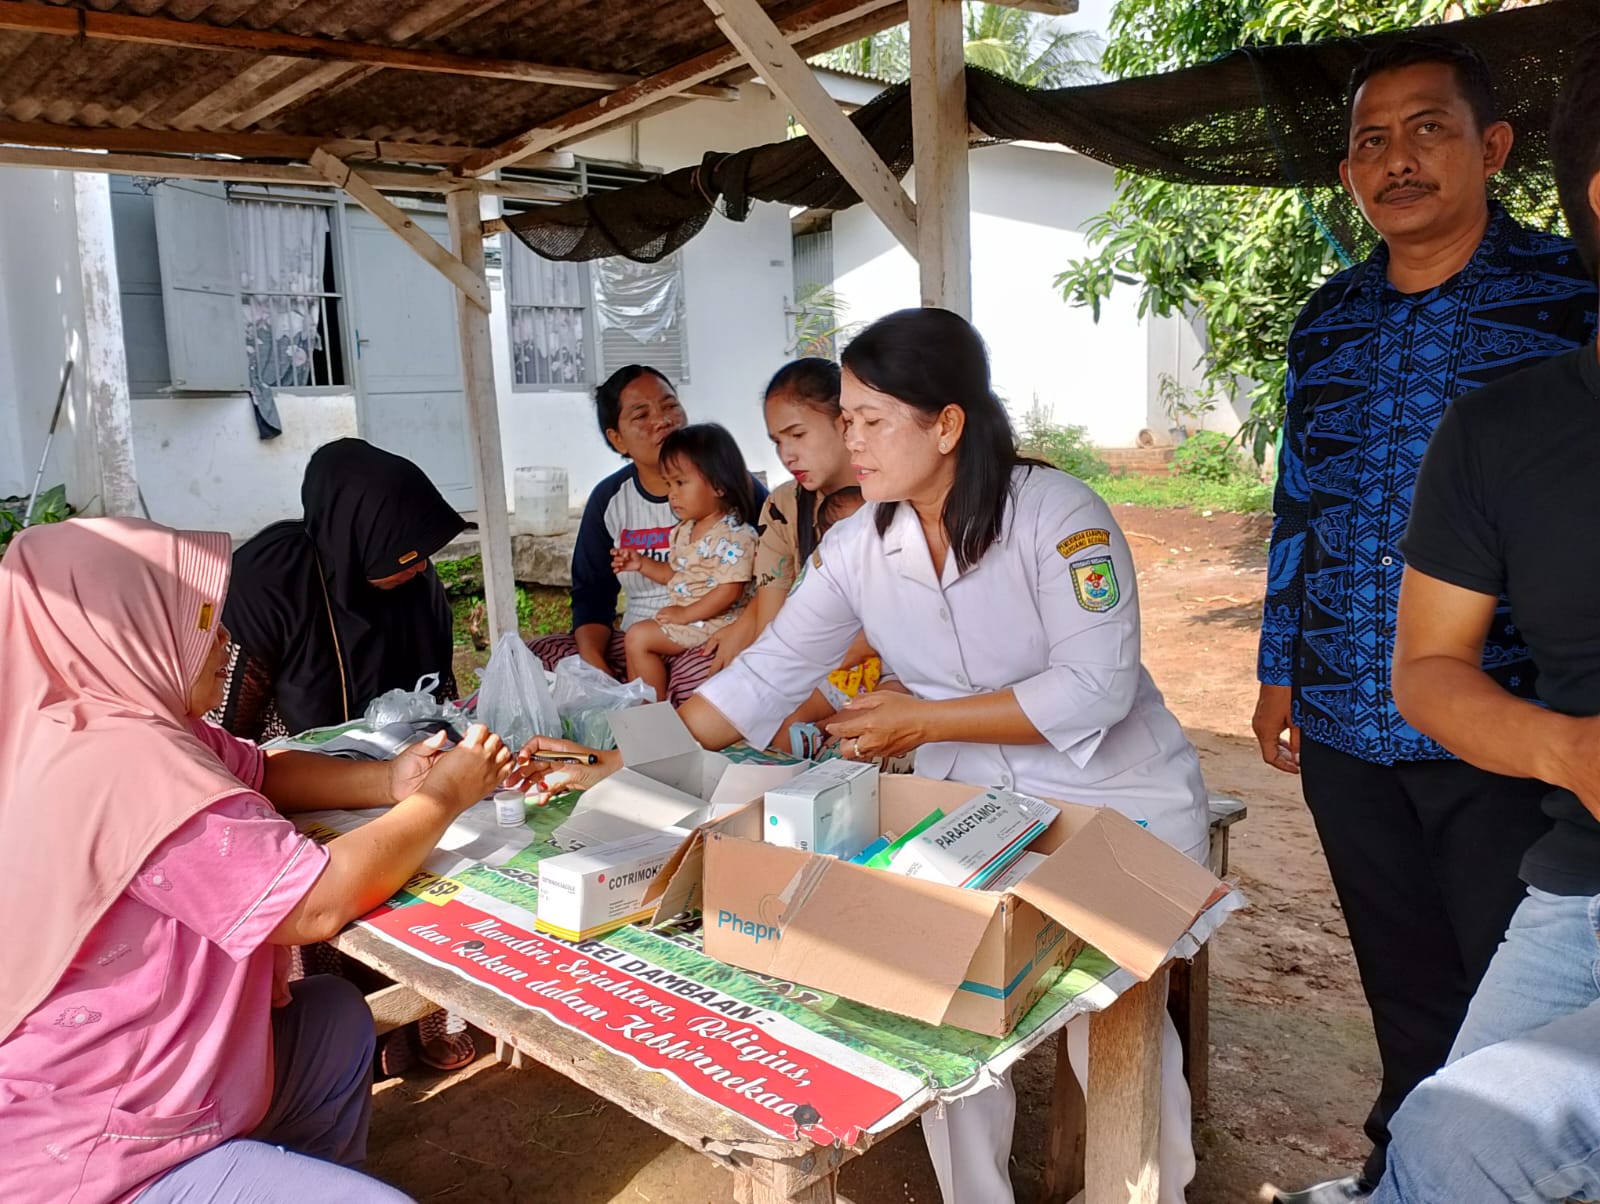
<point>572,325</point>
<point>548,310</point>
<point>289,303</point>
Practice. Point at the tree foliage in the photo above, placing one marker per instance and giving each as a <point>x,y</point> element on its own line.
<point>1246,259</point>
<point>1019,45</point>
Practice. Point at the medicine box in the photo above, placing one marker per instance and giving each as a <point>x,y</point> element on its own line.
<point>602,887</point>
<point>977,842</point>
<point>831,808</point>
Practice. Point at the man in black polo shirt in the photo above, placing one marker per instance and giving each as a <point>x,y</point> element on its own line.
<point>1507,502</point>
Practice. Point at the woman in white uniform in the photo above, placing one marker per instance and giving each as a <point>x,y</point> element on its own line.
<point>1004,595</point>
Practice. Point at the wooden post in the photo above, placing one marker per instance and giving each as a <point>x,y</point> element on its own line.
<point>104,361</point>
<point>1063,1160</point>
<point>483,419</point>
<point>1124,1121</point>
<point>939,146</point>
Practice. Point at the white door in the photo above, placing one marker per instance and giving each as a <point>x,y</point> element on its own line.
<point>408,355</point>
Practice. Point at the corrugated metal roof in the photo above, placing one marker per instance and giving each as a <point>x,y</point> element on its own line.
<point>64,79</point>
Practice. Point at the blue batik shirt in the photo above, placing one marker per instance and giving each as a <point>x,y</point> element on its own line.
<point>1370,371</point>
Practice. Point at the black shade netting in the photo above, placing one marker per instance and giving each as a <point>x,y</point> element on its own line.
<point>1267,116</point>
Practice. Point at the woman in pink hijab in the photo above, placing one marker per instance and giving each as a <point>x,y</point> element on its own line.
<point>148,1049</point>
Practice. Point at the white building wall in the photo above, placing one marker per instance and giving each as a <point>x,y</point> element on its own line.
<point>41,325</point>
<point>1030,207</point>
<point>199,460</point>
<point>736,277</point>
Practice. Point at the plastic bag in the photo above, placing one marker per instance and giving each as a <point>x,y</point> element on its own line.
<point>513,701</point>
<point>585,696</point>
<point>403,706</point>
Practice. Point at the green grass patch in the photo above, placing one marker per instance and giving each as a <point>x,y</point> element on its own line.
<point>541,610</point>
<point>1237,496</point>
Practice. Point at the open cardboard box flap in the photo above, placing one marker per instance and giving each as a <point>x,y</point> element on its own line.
<point>668,780</point>
<point>1123,891</point>
<point>678,887</point>
<point>830,913</point>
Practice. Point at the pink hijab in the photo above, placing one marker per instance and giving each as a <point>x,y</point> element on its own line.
<point>104,626</point>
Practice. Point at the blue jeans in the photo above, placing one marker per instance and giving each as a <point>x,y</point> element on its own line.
<point>1515,1113</point>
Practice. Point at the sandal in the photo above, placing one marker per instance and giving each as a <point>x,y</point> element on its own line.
<point>443,1042</point>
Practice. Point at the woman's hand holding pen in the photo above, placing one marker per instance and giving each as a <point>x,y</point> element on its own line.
<point>546,765</point>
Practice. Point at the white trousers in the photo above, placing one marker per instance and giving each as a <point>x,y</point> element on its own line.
<point>971,1143</point>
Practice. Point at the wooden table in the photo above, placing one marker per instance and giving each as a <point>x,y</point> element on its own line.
<point>1104,1153</point>
<point>1120,1137</point>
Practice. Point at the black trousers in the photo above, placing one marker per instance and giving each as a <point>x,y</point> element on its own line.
<point>1424,857</point>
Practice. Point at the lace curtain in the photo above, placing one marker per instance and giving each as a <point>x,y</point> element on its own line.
<point>282,252</point>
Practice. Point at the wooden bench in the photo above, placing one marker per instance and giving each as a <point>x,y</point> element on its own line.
<point>1189,1005</point>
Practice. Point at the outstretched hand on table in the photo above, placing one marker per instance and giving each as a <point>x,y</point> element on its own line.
<point>407,771</point>
<point>463,775</point>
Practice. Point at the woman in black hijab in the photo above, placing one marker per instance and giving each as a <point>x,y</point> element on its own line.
<point>329,612</point>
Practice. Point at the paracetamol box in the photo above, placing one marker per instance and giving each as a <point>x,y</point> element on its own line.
<point>976,843</point>
<point>602,887</point>
<point>831,808</point>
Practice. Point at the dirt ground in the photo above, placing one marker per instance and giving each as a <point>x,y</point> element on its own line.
<point>1293,1063</point>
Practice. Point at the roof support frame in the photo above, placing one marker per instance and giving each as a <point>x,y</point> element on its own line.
<point>419,240</point>
<point>385,179</point>
<point>746,24</point>
<point>70,22</point>
<point>667,85</point>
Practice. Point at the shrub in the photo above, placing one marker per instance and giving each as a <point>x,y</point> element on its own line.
<point>51,507</point>
<point>1065,447</point>
<point>1212,457</point>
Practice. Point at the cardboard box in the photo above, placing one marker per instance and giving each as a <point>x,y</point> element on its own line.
<point>668,780</point>
<point>831,808</point>
<point>601,888</point>
<point>974,959</point>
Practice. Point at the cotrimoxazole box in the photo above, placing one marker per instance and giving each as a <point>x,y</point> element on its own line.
<point>602,887</point>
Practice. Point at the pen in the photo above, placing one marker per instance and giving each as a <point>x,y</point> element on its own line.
<point>567,758</point>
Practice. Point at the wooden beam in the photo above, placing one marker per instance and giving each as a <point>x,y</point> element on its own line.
<point>483,419</point>
<point>630,101</point>
<point>173,167</point>
<point>61,21</point>
<point>295,147</point>
<point>418,239</point>
<point>322,76</point>
<point>427,20</point>
<point>939,152</point>
<point>748,27</point>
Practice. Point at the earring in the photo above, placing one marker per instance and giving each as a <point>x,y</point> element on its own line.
<point>943,447</point>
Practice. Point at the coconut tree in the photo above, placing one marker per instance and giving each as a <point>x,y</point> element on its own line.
<point>1019,45</point>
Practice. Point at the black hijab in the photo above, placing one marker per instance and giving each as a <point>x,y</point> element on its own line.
<point>302,601</point>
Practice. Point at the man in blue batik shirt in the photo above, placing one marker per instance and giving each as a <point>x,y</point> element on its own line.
<point>1423,849</point>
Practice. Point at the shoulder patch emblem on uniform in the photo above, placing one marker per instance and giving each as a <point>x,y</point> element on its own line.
<point>1094,580</point>
<point>1094,537</point>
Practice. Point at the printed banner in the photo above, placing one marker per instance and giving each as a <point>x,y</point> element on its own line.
<point>749,1060</point>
